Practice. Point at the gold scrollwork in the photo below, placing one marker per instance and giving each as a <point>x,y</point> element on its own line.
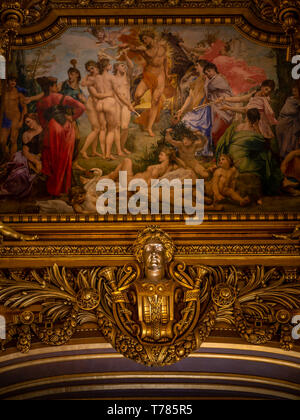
<point>156,311</point>
<point>223,295</point>
<point>273,22</point>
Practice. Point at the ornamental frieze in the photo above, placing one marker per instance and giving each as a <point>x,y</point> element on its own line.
<point>125,250</point>
<point>155,310</point>
<point>270,22</point>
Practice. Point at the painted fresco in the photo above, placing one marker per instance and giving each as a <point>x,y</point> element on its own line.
<point>158,102</point>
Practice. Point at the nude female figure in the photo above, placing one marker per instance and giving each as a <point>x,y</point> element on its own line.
<point>98,125</point>
<point>122,74</point>
<point>167,163</point>
<point>31,140</point>
<point>105,92</point>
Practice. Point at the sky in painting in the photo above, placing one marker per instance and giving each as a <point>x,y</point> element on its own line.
<point>80,44</point>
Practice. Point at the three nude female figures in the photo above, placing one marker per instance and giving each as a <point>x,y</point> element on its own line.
<point>108,108</point>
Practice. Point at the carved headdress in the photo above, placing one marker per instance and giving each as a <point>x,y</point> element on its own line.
<point>153,232</point>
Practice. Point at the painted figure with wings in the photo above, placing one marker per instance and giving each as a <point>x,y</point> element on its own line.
<point>105,35</point>
<point>153,53</point>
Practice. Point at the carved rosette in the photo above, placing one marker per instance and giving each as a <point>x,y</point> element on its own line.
<point>88,299</point>
<point>223,295</point>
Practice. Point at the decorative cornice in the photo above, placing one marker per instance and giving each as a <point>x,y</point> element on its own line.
<point>276,39</point>
<point>30,23</point>
<point>27,11</point>
<point>208,217</point>
<point>224,249</point>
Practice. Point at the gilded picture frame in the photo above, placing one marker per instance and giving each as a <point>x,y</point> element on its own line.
<point>57,18</point>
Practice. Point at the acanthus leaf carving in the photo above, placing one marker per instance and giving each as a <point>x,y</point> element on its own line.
<point>155,321</point>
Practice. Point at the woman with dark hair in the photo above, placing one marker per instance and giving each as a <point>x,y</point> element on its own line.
<point>57,114</point>
<point>71,87</point>
<point>32,142</point>
<point>260,100</point>
<point>210,66</point>
<point>216,86</point>
<point>18,175</point>
<point>225,55</point>
<point>249,152</point>
<point>199,120</point>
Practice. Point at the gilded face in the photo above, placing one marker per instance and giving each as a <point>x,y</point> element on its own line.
<point>154,256</point>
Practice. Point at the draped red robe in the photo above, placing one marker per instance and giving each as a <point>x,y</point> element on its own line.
<point>58,143</point>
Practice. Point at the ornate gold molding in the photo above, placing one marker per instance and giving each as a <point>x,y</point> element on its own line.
<point>291,236</point>
<point>275,38</point>
<point>31,23</point>
<point>287,14</point>
<point>149,312</point>
<point>14,15</point>
<point>200,250</point>
<point>159,218</point>
<point>8,232</point>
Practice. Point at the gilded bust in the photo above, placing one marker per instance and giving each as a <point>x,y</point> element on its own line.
<point>154,249</point>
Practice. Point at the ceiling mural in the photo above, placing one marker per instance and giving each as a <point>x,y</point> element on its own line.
<point>201,109</point>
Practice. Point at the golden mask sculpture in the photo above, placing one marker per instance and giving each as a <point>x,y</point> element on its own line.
<point>155,305</point>
<point>155,311</point>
